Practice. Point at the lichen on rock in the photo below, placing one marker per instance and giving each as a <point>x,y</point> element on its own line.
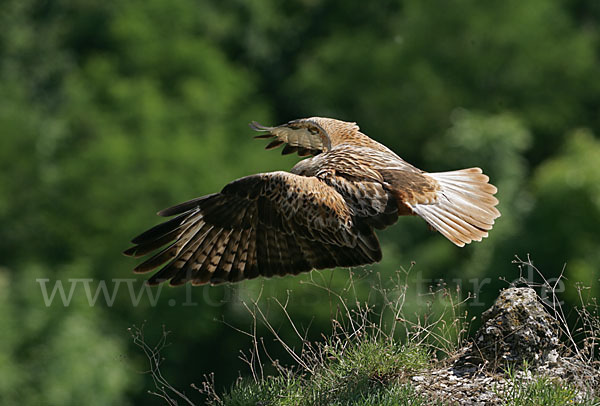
<point>516,329</point>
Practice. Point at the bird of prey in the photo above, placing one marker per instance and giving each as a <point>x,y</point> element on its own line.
<point>322,214</point>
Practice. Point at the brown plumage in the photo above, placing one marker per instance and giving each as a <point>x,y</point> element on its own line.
<point>319,215</point>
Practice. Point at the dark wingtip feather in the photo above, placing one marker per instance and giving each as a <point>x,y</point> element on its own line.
<point>154,282</point>
<point>145,267</point>
<point>180,279</point>
<point>151,245</point>
<point>183,207</point>
<point>159,230</point>
<point>259,127</point>
<point>157,260</point>
<point>288,149</point>
<point>130,252</point>
<point>274,144</point>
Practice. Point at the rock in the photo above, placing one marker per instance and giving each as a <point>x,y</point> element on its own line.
<point>515,329</point>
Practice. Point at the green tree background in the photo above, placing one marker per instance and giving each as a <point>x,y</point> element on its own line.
<point>111,110</point>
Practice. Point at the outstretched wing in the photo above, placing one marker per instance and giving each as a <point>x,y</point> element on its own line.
<point>311,136</point>
<point>268,224</point>
<point>302,136</point>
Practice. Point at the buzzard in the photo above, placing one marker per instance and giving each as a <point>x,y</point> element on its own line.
<point>321,214</point>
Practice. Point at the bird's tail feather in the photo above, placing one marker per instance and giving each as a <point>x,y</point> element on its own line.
<point>465,207</point>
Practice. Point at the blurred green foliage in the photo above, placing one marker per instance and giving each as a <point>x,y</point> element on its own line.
<point>110,111</point>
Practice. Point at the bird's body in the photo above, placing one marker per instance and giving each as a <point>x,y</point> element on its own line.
<point>319,215</point>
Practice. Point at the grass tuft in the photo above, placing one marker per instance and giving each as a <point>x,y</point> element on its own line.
<point>372,372</point>
<point>522,389</point>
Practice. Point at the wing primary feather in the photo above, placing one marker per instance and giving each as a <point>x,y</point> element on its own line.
<point>241,254</point>
<point>160,229</point>
<point>145,248</point>
<point>251,264</point>
<point>259,127</point>
<point>288,149</point>
<point>211,262</point>
<point>184,273</point>
<point>262,251</point>
<point>173,267</point>
<point>221,273</point>
<point>185,206</point>
<point>274,144</point>
<point>185,249</point>
<point>157,260</point>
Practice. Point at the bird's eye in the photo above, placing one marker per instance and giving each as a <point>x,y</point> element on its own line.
<point>312,130</point>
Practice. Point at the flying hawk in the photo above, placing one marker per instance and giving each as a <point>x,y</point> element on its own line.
<point>319,215</point>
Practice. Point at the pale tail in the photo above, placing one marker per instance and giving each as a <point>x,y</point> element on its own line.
<point>465,207</point>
